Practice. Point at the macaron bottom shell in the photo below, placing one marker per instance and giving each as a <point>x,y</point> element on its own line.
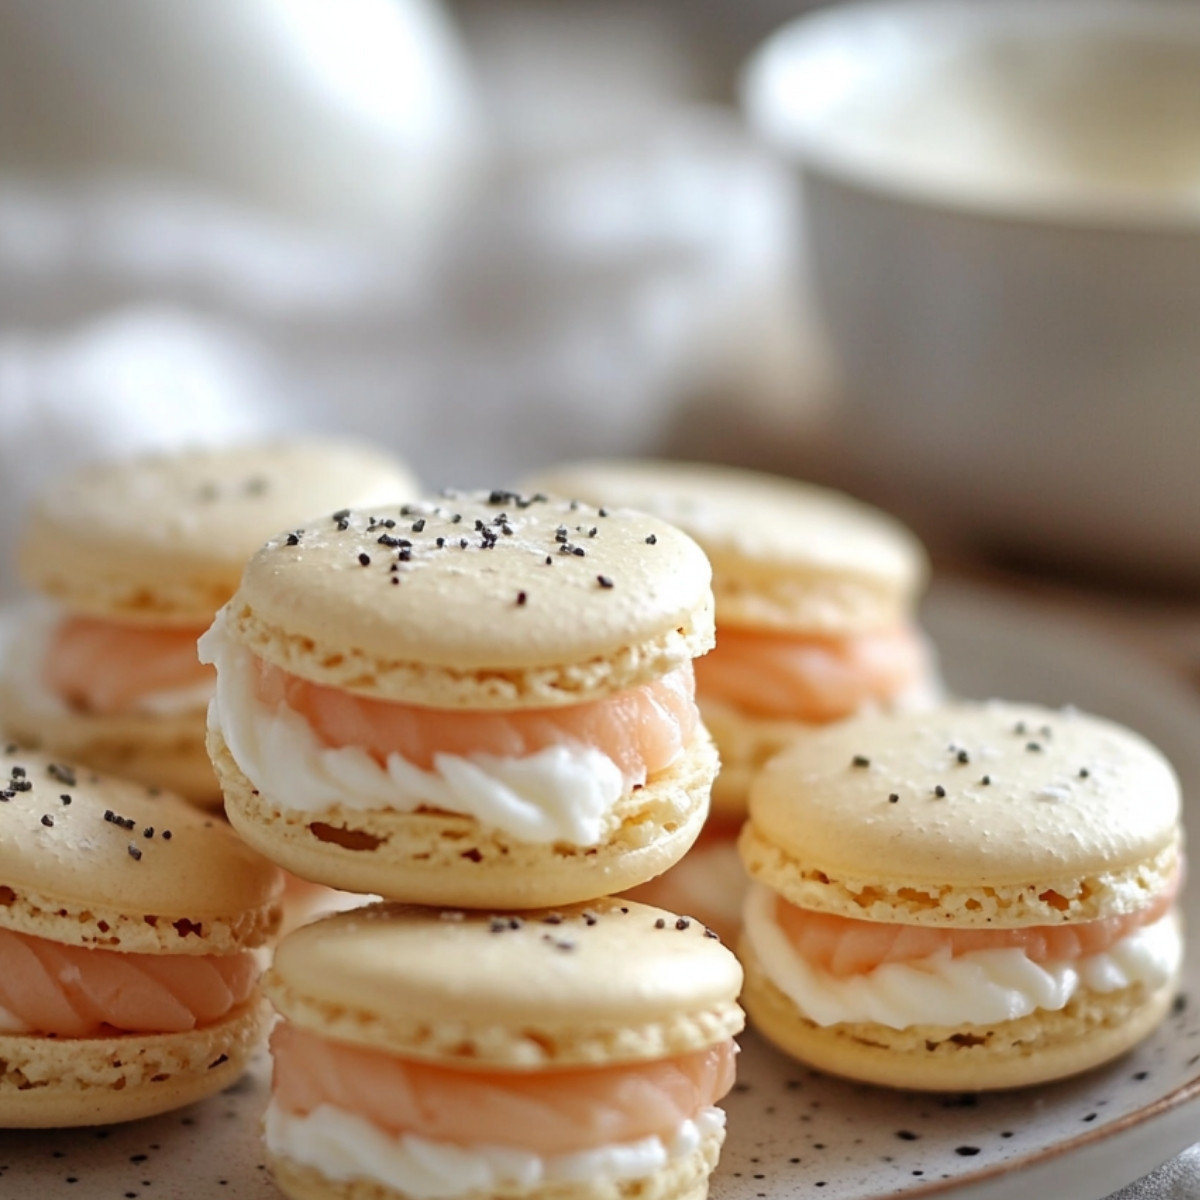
<point>59,1082</point>
<point>1043,1046</point>
<point>156,751</point>
<point>443,858</point>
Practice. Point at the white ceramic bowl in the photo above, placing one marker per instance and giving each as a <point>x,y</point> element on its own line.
<point>1003,211</point>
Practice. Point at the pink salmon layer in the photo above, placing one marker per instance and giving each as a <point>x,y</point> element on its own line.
<point>644,729</point>
<point>845,946</point>
<point>546,1111</point>
<point>73,991</point>
<point>106,667</point>
<point>811,679</point>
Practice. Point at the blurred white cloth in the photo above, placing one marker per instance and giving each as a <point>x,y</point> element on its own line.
<point>573,305</point>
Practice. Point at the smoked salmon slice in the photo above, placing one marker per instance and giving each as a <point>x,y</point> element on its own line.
<point>106,667</point>
<point>548,1112</point>
<point>809,679</point>
<point>73,991</point>
<point>844,946</point>
<point>643,730</point>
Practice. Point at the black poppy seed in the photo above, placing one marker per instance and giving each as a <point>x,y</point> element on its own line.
<point>963,757</point>
<point>939,791</point>
<point>506,529</point>
<point>624,909</point>
<point>341,514</point>
<point>497,925</point>
<point>47,820</point>
<point>1084,772</point>
<point>682,923</point>
<point>564,945</point>
<point>364,559</point>
<point>439,542</point>
<point>521,598</point>
<point>18,772</point>
<point>1019,727</point>
<point>549,561</point>
<point>602,512</point>
<point>20,785</point>
<point>166,835</point>
<point>894,798</point>
<point>61,773</point>
<point>455,518</point>
<point>711,933</point>
<point>860,760</point>
<point>135,852</point>
<point>552,919</point>
<point>418,526</point>
<point>1033,747</point>
<point>986,781</point>
<point>65,798</point>
<point>404,556</point>
<point>573,505</point>
<point>590,918</point>
<point>499,496</point>
<point>343,525</point>
<point>462,543</point>
<point>6,795</point>
<point>148,832</point>
<point>560,534</point>
<point>388,523</point>
<point>593,531</point>
<point>395,581</point>
<point>293,539</point>
<point>479,524</point>
<point>604,581</point>
<point>660,923</point>
<point>652,539</point>
<point>386,539</point>
<point>515,923</point>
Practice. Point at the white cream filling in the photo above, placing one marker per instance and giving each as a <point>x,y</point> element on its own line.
<point>979,988</point>
<point>343,1145</point>
<point>564,793</point>
<point>25,650</point>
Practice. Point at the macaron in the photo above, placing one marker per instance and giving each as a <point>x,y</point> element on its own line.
<point>129,925</point>
<point>981,896</point>
<point>130,559</point>
<point>423,1053</point>
<point>815,596</point>
<point>481,699</point>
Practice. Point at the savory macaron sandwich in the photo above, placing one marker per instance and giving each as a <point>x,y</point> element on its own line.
<point>129,921</point>
<point>130,560</point>
<point>483,699</point>
<point>982,896</point>
<point>574,1053</point>
<point>815,607</point>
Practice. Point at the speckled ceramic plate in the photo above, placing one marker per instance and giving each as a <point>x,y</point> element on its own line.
<point>794,1133</point>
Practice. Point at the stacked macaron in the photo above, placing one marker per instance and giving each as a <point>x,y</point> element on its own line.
<point>571,1053</point>
<point>131,559</point>
<point>815,596</point>
<point>981,896</point>
<point>129,924</point>
<point>484,699</point>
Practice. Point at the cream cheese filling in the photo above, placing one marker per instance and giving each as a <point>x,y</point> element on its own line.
<point>564,793</point>
<point>25,649</point>
<point>978,988</point>
<point>343,1146</point>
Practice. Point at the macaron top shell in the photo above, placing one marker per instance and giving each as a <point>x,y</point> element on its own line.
<point>91,860</point>
<point>988,814</point>
<point>606,982</point>
<point>785,555</point>
<point>163,538</point>
<point>478,600</point>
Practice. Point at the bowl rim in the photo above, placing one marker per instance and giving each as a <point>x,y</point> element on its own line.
<point>792,81</point>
